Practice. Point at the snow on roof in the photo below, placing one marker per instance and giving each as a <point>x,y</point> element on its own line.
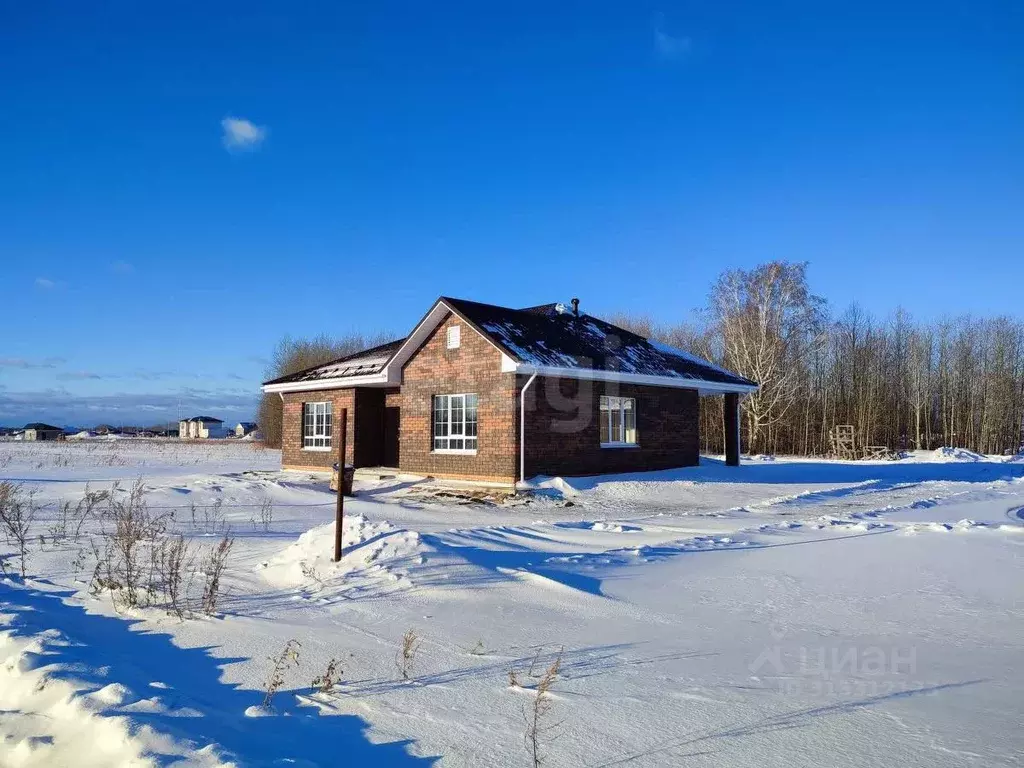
<point>549,336</point>
<point>670,350</point>
<point>368,361</point>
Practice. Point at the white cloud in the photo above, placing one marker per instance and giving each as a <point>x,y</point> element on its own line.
<point>669,47</point>
<point>241,134</point>
<point>45,283</point>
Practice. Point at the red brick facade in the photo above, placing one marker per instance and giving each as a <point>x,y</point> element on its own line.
<point>475,368</point>
<point>562,428</point>
<point>293,455</point>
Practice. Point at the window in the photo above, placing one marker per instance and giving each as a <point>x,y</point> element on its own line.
<point>316,426</point>
<point>618,421</point>
<point>455,423</point>
<point>454,336</point>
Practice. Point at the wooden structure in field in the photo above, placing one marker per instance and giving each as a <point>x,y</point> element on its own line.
<point>843,442</point>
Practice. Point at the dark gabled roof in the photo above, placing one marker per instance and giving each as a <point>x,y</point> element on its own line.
<point>363,363</point>
<point>38,425</point>
<point>545,336</point>
<point>552,336</point>
<point>207,419</point>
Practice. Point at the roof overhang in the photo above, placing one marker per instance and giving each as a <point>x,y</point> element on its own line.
<point>676,382</point>
<point>370,380</point>
<point>391,373</point>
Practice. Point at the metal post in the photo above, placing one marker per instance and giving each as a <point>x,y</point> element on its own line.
<point>339,515</point>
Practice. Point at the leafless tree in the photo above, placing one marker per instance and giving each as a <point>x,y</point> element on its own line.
<point>294,355</point>
<point>902,383</point>
<point>768,322</point>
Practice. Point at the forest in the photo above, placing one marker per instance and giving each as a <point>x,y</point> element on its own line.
<point>901,383</point>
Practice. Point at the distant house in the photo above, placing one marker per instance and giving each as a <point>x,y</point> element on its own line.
<point>106,429</point>
<point>39,431</point>
<point>201,428</point>
<point>483,392</point>
<point>244,428</point>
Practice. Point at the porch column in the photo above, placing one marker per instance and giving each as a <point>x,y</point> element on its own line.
<point>732,429</point>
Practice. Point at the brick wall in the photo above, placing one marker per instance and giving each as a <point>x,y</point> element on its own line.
<point>562,428</point>
<point>293,456</point>
<point>563,431</point>
<point>474,367</point>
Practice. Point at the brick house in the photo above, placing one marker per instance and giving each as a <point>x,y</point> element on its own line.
<point>482,392</point>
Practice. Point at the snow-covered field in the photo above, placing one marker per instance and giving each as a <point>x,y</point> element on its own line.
<point>785,613</point>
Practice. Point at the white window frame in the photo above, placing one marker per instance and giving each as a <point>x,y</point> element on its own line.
<point>611,405</point>
<point>454,404</point>
<point>454,336</point>
<point>316,434</point>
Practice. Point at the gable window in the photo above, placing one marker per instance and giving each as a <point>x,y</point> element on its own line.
<point>455,424</point>
<point>316,426</point>
<point>454,336</point>
<point>618,421</point>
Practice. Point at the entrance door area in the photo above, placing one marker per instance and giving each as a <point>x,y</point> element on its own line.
<point>392,425</point>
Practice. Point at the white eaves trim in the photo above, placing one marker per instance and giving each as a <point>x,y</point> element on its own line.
<point>705,387</point>
<point>372,379</point>
<point>420,334</point>
<point>391,375</point>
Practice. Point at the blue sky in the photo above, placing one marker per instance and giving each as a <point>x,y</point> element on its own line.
<point>383,154</point>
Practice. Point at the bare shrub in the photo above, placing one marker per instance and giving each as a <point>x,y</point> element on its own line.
<point>102,576</point>
<point>265,514</point>
<point>325,683</point>
<point>538,729</point>
<point>173,561</point>
<point>406,658</point>
<point>135,530</point>
<point>310,572</point>
<point>17,512</point>
<point>209,518</point>
<point>213,569</point>
<point>288,657</point>
<point>479,649</point>
<point>71,518</point>
<point>78,563</point>
<point>59,529</point>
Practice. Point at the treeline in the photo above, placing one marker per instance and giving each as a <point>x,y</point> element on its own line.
<point>899,382</point>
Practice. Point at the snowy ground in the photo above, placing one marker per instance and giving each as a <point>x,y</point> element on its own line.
<point>785,613</point>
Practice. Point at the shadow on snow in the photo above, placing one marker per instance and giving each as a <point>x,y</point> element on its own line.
<point>104,650</point>
<point>880,474</point>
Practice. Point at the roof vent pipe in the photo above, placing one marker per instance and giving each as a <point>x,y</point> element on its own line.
<point>576,307</point>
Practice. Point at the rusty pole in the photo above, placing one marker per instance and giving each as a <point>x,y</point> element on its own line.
<point>339,515</point>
